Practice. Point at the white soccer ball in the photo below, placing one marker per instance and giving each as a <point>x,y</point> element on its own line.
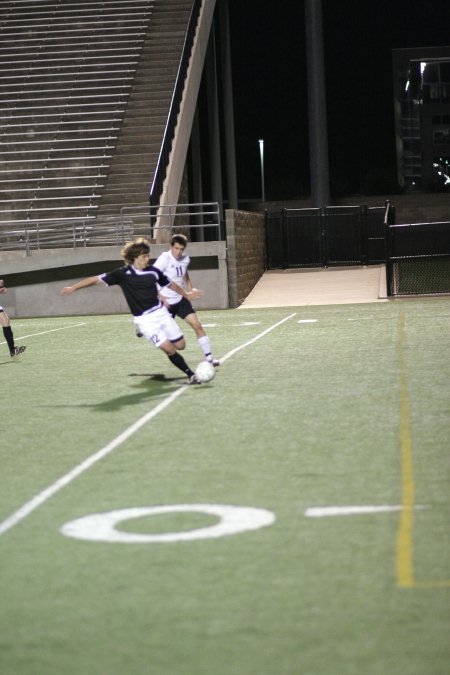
<point>205,371</point>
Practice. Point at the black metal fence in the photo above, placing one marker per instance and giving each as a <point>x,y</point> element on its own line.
<point>418,259</point>
<point>334,235</point>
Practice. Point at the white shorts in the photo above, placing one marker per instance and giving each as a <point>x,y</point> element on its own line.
<point>158,326</point>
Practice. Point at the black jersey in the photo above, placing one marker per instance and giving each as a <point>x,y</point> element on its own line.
<point>140,287</point>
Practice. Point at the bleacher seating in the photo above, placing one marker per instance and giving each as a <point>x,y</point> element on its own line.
<point>84,94</point>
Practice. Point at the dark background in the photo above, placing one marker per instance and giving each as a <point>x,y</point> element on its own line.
<point>268,47</point>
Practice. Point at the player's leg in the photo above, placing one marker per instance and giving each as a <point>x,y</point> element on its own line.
<point>176,359</point>
<point>174,343</point>
<point>194,322</point>
<point>7,332</point>
<point>186,311</point>
<point>161,329</point>
<point>4,318</point>
<point>202,339</point>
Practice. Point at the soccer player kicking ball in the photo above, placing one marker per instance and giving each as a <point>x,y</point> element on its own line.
<point>174,264</point>
<point>140,284</point>
<point>7,330</point>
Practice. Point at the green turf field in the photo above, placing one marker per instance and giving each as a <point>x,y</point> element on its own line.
<point>329,423</point>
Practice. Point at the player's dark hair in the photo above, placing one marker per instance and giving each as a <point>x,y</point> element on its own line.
<point>133,249</point>
<point>178,239</point>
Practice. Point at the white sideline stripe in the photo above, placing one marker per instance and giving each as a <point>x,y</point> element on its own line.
<point>246,344</point>
<point>52,330</point>
<point>323,511</point>
<point>43,496</point>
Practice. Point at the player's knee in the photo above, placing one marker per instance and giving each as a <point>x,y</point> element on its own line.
<point>168,348</point>
<point>180,344</point>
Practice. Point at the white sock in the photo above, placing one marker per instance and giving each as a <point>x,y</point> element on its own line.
<point>205,347</point>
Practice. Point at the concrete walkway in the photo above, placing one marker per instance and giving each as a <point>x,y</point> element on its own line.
<point>319,286</point>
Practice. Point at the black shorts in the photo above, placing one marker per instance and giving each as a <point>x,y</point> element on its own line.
<point>181,309</point>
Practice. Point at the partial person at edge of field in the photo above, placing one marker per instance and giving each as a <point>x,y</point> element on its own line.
<point>140,284</point>
<point>174,264</point>
<point>7,330</point>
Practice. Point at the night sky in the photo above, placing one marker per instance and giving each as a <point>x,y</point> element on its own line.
<point>270,90</point>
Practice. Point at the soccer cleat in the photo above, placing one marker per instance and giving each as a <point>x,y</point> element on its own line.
<point>138,333</point>
<point>17,351</point>
<point>215,362</point>
<point>194,379</point>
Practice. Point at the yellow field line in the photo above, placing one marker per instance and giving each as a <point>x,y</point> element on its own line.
<point>404,557</point>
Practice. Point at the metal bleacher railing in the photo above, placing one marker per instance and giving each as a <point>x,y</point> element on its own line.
<point>200,221</point>
<point>156,187</point>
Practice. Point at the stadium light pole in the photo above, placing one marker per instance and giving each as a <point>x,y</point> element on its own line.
<point>317,105</point>
<point>261,157</point>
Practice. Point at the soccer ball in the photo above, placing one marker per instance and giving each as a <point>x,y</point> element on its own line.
<point>205,371</point>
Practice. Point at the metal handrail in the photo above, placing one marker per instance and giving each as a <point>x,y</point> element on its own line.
<point>74,235</point>
<point>35,235</point>
<point>166,145</point>
<point>175,216</point>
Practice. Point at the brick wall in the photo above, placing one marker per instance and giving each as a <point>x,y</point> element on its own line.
<point>245,253</point>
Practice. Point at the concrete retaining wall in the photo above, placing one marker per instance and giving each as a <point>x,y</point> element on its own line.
<point>35,282</point>
<point>226,271</point>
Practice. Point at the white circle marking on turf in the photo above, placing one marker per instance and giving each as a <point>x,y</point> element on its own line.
<point>233,519</point>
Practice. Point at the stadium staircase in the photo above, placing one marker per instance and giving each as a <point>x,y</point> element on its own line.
<point>85,90</point>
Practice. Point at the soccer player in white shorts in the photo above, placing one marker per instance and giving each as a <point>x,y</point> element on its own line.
<point>174,264</point>
<point>140,283</point>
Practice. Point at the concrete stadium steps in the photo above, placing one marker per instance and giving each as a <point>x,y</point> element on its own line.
<point>142,132</point>
<point>85,90</point>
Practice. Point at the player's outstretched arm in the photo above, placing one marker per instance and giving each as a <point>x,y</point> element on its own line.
<point>84,283</point>
<point>189,295</point>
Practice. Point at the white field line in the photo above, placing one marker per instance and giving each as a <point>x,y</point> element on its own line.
<point>62,482</point>
<point>324,511</point>
<point>43,496</point>
<point>44,332</point>
<point>246,344</point>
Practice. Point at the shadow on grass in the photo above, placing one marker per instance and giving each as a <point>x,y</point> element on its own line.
<point>153,386</point>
